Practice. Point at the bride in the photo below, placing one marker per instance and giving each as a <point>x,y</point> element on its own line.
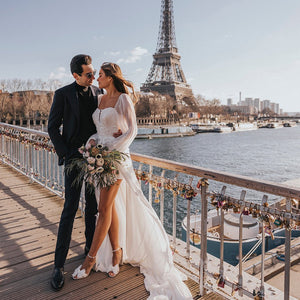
<point>128,229</point>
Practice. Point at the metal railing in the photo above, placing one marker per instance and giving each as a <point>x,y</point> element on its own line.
<point>31,153</point>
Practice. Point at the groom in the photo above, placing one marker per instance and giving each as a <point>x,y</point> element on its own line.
<point>72,107</point>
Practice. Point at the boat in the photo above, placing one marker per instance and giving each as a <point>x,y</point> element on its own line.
<point>273,125</point>
<point>244,126</point>
<point>222,128</point>
<point>252,229</point>
<point>213,127</point>
<point>152,132</point>
<point>203,128</point>
<point>290,124</point>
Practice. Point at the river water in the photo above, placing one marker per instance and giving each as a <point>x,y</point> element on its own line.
<point>267,154</point>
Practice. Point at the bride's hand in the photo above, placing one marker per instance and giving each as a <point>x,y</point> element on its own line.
<point>91,143</point>
<point>118,133</point>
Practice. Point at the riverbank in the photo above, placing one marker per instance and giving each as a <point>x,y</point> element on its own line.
<point>241,126</point>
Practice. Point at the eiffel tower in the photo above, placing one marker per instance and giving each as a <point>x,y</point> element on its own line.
<point>166,75</point>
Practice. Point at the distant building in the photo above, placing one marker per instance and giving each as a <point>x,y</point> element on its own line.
<point>249,102</point>
<point>274,107</point>
<point>229,101</point>
<point>266,104</point>
<point>257,104</point>
<point>243,109</point>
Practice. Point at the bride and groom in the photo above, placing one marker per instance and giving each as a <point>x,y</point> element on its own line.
<point>127,229</point>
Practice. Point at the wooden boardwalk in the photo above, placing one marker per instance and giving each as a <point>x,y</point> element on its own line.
<point>29,217</point>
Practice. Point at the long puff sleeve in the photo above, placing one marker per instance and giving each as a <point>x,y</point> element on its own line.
<point>128,124</point>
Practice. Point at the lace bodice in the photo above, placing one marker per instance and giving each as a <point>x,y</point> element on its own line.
<point>106,122</point>
<point>109,120</point>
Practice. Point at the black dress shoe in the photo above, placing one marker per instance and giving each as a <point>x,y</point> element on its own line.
<point>58,280</point>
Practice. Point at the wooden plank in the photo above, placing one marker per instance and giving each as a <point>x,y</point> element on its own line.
<point>21,238</point>
<point>29,218</point>
<point>27,268</point>
<point>138,292</point>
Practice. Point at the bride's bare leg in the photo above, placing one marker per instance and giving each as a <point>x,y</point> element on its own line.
<point>114,229</point>
<point>114,236</point>
<point>106,204</point>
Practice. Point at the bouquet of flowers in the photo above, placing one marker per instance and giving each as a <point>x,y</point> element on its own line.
<point>98,166</point>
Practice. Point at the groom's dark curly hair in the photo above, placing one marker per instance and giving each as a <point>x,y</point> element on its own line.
<point>77,62</point>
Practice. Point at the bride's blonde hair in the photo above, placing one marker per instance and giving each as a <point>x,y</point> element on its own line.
<point>120,83</point>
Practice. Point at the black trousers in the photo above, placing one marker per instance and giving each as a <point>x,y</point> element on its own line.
<point>72,196</point>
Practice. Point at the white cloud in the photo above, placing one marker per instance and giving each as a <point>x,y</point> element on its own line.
<point>59,73</point>
<point>135,55</point>
<point>114,53</point>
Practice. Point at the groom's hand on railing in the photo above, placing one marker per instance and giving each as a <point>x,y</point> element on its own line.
<point>118,133</point>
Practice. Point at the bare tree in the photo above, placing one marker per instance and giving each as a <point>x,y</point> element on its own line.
<point>4,100</point>
<point>39,84</point>
<point>54,84</point>
<point>142,108</point>
<point>42,104</point>
<point>3,85</point>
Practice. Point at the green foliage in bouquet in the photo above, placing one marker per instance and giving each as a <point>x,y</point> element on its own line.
<point>98,166</point>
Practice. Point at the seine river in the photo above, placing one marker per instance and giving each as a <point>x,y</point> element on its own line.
<point>267,154</point>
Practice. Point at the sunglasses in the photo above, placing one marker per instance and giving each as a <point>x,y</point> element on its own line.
<point>90,74</point>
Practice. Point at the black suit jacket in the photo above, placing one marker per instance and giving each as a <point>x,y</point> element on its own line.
<point>65,111</point>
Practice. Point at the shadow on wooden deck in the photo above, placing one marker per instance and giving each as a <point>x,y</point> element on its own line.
<point>29,217</point>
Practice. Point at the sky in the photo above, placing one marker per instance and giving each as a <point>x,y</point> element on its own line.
<point>226,46</point>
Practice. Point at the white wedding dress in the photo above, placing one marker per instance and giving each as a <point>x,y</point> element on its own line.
<point>141,234</point>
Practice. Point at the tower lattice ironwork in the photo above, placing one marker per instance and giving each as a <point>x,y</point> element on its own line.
<point>166,75</point>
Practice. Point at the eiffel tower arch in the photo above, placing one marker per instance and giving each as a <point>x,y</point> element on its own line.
<point>166,75</point>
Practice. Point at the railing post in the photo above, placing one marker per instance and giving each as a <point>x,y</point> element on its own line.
<point>240,278</point>
<point>30,150</point>
<point>140,172</point>
<point>1,146</point>
<point>262,276</point>
<point>39,172</point>
<point>203,252</point>
<point>46,168</point>
<point>287,257</point>
<point>174,213</point>
<point>150,184</point>
<point>162,197</point>
<point>27,159</point>
<point>188,227</point>
<point>221,269</point>
<point>188,230</point>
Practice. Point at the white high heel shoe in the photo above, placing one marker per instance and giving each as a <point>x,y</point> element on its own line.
<point>116,269</point>
<point>81,273</point>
